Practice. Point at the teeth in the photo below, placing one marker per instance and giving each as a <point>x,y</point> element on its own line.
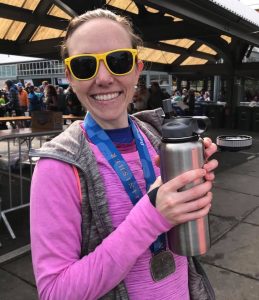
<point>106,96</point>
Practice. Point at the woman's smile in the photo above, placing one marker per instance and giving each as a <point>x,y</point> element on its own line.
<point>106,96</point>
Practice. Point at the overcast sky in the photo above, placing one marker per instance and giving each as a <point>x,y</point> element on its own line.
<point>4,58</point>
<point>252,3</point>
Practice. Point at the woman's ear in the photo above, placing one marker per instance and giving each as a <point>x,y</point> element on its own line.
<point>140,65</point>
<point>68,75</point>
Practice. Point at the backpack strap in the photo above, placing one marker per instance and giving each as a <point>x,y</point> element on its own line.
<point>78,182</point>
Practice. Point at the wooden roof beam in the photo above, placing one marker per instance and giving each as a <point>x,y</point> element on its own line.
<point>180,50</point>
<point>202,12</point>
<point>41,10</point>
<point>176,30</point>
<point>27,16</point>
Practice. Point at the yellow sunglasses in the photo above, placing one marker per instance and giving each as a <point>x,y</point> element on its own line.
<point>119,62</point>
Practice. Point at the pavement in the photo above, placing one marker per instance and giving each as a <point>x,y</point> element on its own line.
<point>232,263</point>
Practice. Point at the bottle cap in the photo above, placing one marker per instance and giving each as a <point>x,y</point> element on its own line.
<point>176,129</point>
<point>184,128</point>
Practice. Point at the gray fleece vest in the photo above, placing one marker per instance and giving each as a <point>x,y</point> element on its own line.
<point>72,147</point>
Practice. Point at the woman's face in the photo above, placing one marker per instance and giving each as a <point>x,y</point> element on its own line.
<point>6,87</point>
<point>106,96</point>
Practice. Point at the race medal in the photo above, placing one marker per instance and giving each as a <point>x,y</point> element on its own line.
<point>162,265</point>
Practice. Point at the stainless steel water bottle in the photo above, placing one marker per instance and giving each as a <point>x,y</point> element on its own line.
<point>182,150</point>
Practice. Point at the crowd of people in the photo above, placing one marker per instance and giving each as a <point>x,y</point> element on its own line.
<point>148,98</point>
<point>183,102</point>
<point>17,99</point>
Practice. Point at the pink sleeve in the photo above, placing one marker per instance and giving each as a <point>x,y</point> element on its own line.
<point>56,238</point>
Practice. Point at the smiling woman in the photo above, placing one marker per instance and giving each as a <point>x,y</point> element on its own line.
<point>97,230</point>
<point>112,65</point>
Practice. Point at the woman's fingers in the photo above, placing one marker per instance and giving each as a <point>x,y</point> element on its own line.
<point>195,208</point>
<point>195,205</point>
<point>210,148</point>
<point>196,192</point>
<point>207,142</point>
<point>180,181</point>
<point>211,165</point>
<point>176,210</point>
<point>176,205</point>
<point>195,214</point>
<point>210,176</point>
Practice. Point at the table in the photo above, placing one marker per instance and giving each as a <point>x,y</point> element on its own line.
<point>25,133</point>
<point>27,118</point>
<point>72,117</point>
<point>15,119</point>
<point>21,134</point>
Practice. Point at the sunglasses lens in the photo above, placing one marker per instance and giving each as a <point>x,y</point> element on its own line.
<point>120,62</point>
<point>83,67</point>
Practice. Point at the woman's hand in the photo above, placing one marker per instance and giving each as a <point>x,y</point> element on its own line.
<point>183,206</point>
<point>209,166</point>
<point>180,207</point>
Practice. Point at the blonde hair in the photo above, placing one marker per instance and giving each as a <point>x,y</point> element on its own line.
<point>95,14</point>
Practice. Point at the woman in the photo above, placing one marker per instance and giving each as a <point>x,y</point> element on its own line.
<point>51,97</point>
<point>73,105</point>
<point>156,96</point>
<point>141,97</point>
<point>93,228</point>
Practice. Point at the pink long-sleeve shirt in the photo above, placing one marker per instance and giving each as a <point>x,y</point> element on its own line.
<point>124,255</point>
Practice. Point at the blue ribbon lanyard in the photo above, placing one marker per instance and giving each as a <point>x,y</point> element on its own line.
<point>99,137</point>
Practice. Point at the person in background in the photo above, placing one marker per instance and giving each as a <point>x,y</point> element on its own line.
<point>73,105</point>
<point>27,85</point>
<point>207,96</point>
<point>12,104</point>
<point>61,99</point>
<point>51,98</point>
<point>34,101</point>
<point>95,228</point>
<point>191,102</point>
<point>2,99</point>
<point>200,97</point>
<point>2,110</point>
<point>39,93</point>
<point>44,84</point>
<point>141,97</point>
<point>23,98</point>
<point>156,96</point>
<point>177,97</point>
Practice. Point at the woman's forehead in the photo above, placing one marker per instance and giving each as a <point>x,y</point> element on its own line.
<point>98,35</point>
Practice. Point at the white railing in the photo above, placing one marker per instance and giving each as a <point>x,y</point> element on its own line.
<point>42,67</point>
<point>32,69</point>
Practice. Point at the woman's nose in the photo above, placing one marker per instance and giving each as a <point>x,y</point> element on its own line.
<point>103,75</point>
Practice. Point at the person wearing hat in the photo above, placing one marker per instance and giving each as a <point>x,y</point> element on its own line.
<point>23,98</point>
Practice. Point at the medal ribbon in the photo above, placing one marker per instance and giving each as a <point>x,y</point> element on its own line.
<point>99,137</point>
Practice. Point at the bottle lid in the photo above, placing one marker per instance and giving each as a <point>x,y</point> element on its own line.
<point>176,129</point>
<point>187,128</point>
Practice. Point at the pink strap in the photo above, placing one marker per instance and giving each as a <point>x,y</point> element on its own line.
<point>78,182</point>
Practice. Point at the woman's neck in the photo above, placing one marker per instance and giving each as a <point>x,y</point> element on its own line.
<point>112,124</point>
<point>121,135</point>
